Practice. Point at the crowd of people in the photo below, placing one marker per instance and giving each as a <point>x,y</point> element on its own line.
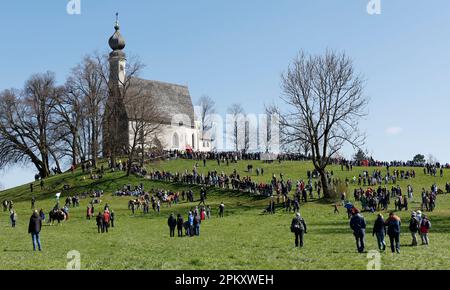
<point>283,192</point>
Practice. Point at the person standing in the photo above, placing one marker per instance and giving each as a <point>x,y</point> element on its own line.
<point>99,220</point>
<point>197,222</point>
<point>298,227</point>
<point>34,228</point>
<point>88,212</point>
<point>358,225</point>
<point>31,187</point>
<point>172,223</point>
<point>221,209</point>
<point>191,224</point>
<point>33,201</point>
<point>13,217</point>
<point>180,223</point>
<point>208,212</point>
<point>425,226</point>
<point>106,220</point>
<point>379,230</point>
<point>414,226</point>
<point>393,223</point>
<point>113,217</point>
<point>42,215</point>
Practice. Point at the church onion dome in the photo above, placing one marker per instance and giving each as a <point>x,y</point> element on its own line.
<point>117,42</point>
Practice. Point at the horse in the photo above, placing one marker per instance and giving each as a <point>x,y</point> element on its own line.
<point>136,203</point>
<point>58,215</point>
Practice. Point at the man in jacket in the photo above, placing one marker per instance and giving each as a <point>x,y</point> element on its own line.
<point>34,228</point>
<point>414,225</point>
<point>358,225</point>
<point>298,227</point>
<point>197,222</point>
<point>99,220</point>
<point>379,230</point>
<point>172,223</point>
<point>180,223</point>
<point>393,223</point>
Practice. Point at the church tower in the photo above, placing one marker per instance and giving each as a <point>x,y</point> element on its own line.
<point>117,60</point>
<point>115,128</point>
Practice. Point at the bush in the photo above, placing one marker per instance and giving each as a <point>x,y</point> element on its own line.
<point>336,190</point>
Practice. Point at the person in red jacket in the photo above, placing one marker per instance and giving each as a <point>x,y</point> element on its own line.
<point>106,220</point>
<point>425,226</point>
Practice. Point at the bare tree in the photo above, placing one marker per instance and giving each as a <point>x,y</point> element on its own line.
<point>237,119</point>
<point>206,105</point>
<point>246,135</point>
<point>87,91</point>
<point>431,159</point>
<point>325,100</point>
<point>145,122</point>
<point>115,120</point>
<point>25,121</point>
<point>67,124</point>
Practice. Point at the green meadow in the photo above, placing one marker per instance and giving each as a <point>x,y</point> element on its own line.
<point>244,239</point>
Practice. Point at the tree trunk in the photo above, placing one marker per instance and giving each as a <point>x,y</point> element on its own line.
<point>74,150</point>
<point>94,144</point>
<point>324,181</point>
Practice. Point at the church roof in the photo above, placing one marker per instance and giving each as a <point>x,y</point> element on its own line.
<point>170,99</point>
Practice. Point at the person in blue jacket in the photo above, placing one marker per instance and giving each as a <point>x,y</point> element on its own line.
<point>393,224</point>
<point>358,225</point>
<point>191,224</point>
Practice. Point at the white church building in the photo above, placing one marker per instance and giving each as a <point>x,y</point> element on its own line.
<point>180,129</point>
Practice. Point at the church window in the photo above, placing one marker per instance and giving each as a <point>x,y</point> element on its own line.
<point>175,141</point>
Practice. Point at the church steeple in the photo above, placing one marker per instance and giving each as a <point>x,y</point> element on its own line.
<point>116,41</point>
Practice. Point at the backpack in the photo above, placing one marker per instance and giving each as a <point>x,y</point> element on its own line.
<point>297,225</point>
<point>414,225</point>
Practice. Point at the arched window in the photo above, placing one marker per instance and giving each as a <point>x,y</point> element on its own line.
<point>193,141</point>
<point>175,141</point>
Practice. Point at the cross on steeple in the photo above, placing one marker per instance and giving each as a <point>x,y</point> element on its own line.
<point>117,21</point>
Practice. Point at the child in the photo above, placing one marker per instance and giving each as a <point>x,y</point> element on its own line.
<point>42,214</point>
<point>336,210</point>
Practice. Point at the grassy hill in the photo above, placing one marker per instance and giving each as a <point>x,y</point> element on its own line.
<point>244,239</point>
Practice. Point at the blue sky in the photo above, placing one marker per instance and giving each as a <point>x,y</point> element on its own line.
<point>235,51</point>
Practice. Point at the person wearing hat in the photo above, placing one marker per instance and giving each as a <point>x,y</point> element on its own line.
<point>380,231</point>
<point>414,226</point>
<point>419,216</point>
<point>358,225</point>
<point>298,227</point>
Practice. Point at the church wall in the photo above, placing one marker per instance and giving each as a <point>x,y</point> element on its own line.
<point>176,138</point>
